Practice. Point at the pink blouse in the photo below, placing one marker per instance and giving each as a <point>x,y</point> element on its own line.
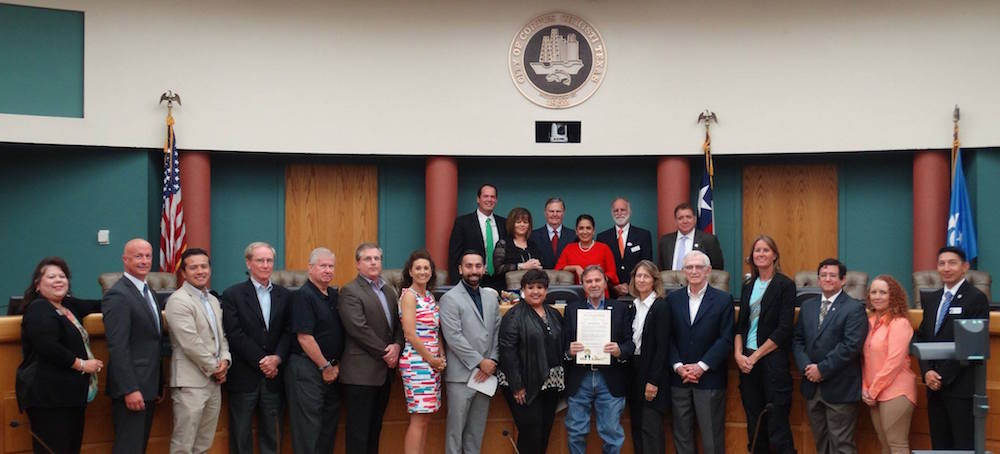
<point>886,371</point>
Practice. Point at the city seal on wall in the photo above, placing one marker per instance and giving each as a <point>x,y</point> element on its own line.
<point>557,60</point>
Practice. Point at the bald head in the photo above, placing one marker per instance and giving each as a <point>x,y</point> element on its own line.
<point>138,258</point>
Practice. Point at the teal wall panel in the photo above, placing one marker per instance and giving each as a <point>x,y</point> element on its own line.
<point>401,207</point>
<point>875,219</point>
<point>982,169</point>
<point>57,198</point>
<point>588,185</point>
<point>728,198</point>
<point>42,54</point>
<point>248,204</point>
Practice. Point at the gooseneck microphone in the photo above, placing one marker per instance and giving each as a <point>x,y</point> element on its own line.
<point>506,433</point>
<point>17,424</point>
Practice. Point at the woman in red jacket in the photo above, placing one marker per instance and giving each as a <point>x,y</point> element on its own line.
<point>585,252</point>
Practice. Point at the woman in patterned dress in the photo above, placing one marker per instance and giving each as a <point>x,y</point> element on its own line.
<point>423,359</point>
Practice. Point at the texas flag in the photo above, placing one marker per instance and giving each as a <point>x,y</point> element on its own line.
<point>706,214</point>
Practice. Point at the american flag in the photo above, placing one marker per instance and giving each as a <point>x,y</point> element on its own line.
<point>172,232</point>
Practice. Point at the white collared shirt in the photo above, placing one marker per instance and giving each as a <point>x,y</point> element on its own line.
<point>641,310</point>
<point>264,298</point>
<point>482,226</point>
<point>954,293</point>
<point>624,230</point>
<point>553,231</point>
<point>694,303</point>
<point>680,252</point>
<point>832,298</point>
<point>206,304</point>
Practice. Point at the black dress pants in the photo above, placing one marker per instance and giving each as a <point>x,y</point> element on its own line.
<point>533,421</point>
<point>60,428</point>
<point>365,408</point>
<point>951,422</point>
<point>768,386</point>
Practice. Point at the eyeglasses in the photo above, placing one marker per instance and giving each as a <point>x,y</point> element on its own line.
<point>694,267</point>
<point>263,261</point>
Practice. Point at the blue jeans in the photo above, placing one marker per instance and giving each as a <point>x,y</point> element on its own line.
<point>594,392</point>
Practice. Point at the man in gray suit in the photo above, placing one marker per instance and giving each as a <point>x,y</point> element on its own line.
<point>133,325</point>
<point>829,334</point>
<point>369,312</point>
<point>470,322</point>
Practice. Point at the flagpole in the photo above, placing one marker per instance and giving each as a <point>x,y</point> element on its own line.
<point>708,117</point>
<point>955,144</point>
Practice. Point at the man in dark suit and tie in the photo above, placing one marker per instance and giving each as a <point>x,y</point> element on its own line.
<point>478,231</point>
<point>602,387</point>
<point>674,246</point>
<point>553,233</point>
<point>949,383</point>
<point>133,326</point>
<point>701,339</point>
<point>629,244</point>
<point>369,311</point>
<point>470,323</point>
<point>829,334</point>
<point>254,316</point>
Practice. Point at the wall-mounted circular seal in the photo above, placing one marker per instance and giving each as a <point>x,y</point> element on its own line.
<point>557,60</point>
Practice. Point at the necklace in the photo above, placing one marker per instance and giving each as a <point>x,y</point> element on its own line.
<point>580,245</point>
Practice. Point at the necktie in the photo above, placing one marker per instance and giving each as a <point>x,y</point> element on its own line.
<point>943,312</point>
<point>210,314</point>
<point>679,262</point>
<point>555,243</point>
<point>621,243</point>
<point>377,288</point>
<point>489,246</point>
<point>823,309</point>
<point>152,305</point>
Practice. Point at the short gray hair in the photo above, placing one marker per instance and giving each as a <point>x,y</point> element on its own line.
<point>248,252</point>
<point>320,252</point>
<point>694,254</point>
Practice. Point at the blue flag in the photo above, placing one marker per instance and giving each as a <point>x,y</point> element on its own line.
<point>961,228</point>
<point>706,211</point>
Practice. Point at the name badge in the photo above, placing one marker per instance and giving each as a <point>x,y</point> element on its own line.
<point>636,248</point>
<point>955,310</point>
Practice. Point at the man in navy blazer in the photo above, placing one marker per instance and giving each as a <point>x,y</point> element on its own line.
<point>471,232</point>
<point>553,237</point>
<point>701,341</point>
<point>255,318</point>
<point>629,244</point>
<point>600,387</point>
<point>133,327</point>
<point>949,383</point>
<point>829,334</point>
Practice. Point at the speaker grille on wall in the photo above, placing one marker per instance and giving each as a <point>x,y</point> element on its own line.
<point>557,132</point>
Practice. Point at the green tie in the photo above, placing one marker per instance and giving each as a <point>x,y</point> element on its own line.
<point>489,246</point>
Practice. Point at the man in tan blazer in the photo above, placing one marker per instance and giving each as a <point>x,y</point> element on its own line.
<point>369,312</point>
<point>200,356</point>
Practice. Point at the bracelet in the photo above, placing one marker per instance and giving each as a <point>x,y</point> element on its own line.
<point>82,372</point>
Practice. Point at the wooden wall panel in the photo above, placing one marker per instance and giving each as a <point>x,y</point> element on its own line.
<point>334,206</point>
<point>797,206</point>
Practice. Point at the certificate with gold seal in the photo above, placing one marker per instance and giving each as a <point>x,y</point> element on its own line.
<point>593,330</point>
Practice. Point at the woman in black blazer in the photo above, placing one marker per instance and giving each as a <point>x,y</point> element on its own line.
<point>58,375</point>
<point>649,393</point>
<point>762,343</point>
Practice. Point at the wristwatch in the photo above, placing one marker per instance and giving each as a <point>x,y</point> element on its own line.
<point>329,363</point>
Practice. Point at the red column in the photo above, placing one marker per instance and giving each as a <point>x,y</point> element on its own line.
<point>441,192</point>
<point>196,188</point>
<point>931,197</point>
<point>673,187</point>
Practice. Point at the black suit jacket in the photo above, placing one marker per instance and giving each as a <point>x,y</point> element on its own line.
<point>615,375</point>
<point>134,343</point>
<point>249,338</point>
<point>465,235</point>
<point>638,246</point>
<point>968,303</point>
<point>653,366</point>
<point>834,347</point>
<point>777,314</point>
<point>53,343</point>
<point>541,238</point>
<point>709,339</point>
<point>703,241</point>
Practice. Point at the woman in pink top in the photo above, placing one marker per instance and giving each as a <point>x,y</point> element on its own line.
<point>889,385</point>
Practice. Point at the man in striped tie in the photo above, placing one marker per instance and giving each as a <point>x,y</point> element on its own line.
<point>949,383</point>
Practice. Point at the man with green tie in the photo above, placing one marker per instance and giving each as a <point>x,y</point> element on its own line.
<point>478,231</point>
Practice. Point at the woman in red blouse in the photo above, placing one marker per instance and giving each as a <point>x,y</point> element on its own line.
<point>585,252</point>
<point>889,385</point>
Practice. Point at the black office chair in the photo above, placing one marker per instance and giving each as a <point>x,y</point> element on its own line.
<point>564,294</point>
<point>803,294</point>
